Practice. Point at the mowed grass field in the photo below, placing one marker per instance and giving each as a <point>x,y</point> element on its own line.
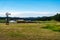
<point>30,31</point>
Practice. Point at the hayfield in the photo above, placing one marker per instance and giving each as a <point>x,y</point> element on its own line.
<point>30,31</point>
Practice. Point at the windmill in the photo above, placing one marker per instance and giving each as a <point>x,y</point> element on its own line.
<point>7,18</point>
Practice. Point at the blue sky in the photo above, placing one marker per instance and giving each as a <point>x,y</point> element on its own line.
<point>29,8</point>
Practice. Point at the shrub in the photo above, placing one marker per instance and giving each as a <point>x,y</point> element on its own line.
<point>2,21</point>
<point>20,21</point>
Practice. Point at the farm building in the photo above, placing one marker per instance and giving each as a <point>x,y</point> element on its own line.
<point>12,21</point>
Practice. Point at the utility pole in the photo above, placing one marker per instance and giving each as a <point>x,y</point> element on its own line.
<point>7,18</point>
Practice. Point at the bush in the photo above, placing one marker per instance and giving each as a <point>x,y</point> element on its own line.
<point>20,21</point>
<point>2,21</point>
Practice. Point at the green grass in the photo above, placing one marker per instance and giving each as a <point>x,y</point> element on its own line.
<point>30,31</point>
<point>53,28</point>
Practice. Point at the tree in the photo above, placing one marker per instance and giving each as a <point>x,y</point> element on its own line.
<point>57,17</point>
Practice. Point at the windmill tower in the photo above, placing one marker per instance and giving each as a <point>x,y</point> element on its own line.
<point>7,18</point>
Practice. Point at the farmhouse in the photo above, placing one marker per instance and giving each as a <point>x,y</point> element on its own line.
<point>12,21</point>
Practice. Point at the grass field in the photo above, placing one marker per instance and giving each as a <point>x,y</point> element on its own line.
<point>30,31</point>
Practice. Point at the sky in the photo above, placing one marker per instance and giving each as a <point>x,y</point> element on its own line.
<point>29,8</point>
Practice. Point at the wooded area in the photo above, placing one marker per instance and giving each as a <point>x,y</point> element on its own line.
<point>44,18</point>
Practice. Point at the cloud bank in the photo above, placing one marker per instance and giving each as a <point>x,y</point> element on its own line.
<point>28,14</point>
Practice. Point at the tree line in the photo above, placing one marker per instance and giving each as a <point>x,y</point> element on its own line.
<point>44,18</point>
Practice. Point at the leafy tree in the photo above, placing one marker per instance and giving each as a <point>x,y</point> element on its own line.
<point>56,17</point>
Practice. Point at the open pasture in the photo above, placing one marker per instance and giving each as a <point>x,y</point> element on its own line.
<point>30,31</point>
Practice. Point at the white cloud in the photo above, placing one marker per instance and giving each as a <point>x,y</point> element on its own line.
<point>28,13</point>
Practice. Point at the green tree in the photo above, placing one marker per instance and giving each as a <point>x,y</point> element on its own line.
<point>57,17</point>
